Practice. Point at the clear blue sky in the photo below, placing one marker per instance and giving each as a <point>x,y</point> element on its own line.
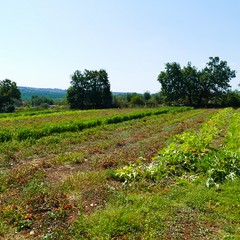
<point>42,42</point>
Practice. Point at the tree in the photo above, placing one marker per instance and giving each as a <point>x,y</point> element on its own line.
<point>172,82</point>
<point>137,100</point>
<point>158,98</point>
<point>146,96</point>
<point>231,99</point>
<point>37,101</point>
<point>190,77</point>
<point>189,86</point>
<point>214,80</point>
<point>130,95</point>
<point>89,90</point>
<point>9,94</point>
<point>120,101</point>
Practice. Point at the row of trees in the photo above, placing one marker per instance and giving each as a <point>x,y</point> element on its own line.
<point>136,100</point>
<point>179,85</point>
<point>228,99</point>
<point>194,87</point>
<point>91,90</point>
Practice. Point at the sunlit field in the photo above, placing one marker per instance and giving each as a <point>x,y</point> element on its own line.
<point>166,173</point>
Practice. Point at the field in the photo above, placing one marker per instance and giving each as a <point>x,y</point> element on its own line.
<point>167,173</point>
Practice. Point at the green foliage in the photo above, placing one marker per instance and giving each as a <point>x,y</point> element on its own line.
<point>23,133</point>
<point>134,172</point>
<point>9,93</point>
<point>63,186</point>
<point>89,90</point>
<point>137,101</point>
<point>231,99</point>
<point>120,101</point>
<point>146,96</point>
<point>189,86</point>
<point>178,212</point>
<point>5,135</point>
<point>40,101</point>
<point>24,224</point>
<point>172,82</point>
<point>128,217</point>
<point>192,152</point>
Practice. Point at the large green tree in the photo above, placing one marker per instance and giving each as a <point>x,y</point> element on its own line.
<point>172,82</point>
<point>193,87</point>
<point>89,90</point>
<point>214,80</point>
<point>9,94</point>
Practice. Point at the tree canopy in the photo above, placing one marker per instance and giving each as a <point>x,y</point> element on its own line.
<point>9,94</point>
<point>194,87</point>
<point>89,90</point>
<point>37,101</point>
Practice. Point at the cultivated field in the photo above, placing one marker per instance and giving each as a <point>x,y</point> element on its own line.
<point>167,173</point>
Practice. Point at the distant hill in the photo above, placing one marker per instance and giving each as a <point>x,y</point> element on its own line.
<point>53,93</point>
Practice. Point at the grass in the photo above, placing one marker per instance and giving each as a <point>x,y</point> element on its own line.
<point>63,185</point>
<point>186,210</point>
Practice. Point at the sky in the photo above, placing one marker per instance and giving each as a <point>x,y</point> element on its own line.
<point>42,42</point>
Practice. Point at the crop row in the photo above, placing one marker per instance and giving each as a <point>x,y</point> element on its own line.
<point>23,133</point>
<point>27,114</point>
<point>195,153</point>
<point>47,117</point>
<point>65,117</point>
<point>226,164</point>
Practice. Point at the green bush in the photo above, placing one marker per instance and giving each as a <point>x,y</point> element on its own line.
<point>5,136</point>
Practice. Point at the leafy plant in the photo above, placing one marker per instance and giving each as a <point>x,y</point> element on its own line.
<point>192,151</point>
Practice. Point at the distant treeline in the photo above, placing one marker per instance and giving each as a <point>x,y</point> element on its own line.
<point>91,89</point>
